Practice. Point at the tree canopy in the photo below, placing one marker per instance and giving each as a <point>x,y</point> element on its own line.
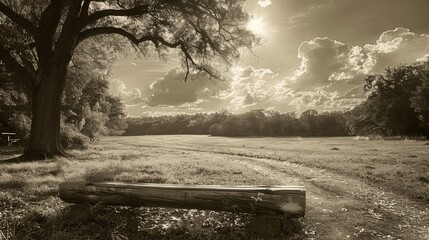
<point>397,102</point>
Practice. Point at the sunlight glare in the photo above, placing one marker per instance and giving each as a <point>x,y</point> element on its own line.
<point>257,26</point>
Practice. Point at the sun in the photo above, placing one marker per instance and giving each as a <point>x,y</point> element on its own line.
<point>257,26</point>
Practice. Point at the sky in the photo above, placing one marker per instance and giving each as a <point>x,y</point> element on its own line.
<point>314,54</point>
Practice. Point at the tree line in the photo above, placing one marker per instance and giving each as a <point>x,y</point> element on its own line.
<point>252,123</point>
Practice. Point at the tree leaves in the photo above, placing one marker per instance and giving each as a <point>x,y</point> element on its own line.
<point>397,102</point>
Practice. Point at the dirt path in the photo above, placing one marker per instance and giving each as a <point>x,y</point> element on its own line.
<point>338,206</point>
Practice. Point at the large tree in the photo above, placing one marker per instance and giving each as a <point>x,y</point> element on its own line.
<point>396,103</point>
<point>42,36</point>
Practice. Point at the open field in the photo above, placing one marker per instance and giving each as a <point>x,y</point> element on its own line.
<point>356,189</point>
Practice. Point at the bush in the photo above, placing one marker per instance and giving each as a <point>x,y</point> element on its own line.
<point>71,138</point>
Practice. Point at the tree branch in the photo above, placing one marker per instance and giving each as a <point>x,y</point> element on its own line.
<point>50,18</point>
<point>67,40</point>
<point>156,40</point>
<point>18,19</point>
<point>136,11</point>
<point>48,25</point>
<point>112,30</point>
<point>85,8</point>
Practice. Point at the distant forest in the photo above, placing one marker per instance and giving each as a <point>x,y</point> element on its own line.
<point>252,123</point>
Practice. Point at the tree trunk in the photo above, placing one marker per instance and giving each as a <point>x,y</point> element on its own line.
<point>44,139</point>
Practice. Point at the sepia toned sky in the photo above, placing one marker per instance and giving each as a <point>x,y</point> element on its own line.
<point>314,55</point>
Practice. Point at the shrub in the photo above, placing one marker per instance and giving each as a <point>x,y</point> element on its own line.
<point>71,138</point>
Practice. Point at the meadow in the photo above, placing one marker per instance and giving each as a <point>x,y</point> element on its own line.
<point>356,189</point>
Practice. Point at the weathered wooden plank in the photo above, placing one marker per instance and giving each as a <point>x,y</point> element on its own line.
<point>250,199</point>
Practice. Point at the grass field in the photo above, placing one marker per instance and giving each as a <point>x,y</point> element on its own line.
<point>356,189</point>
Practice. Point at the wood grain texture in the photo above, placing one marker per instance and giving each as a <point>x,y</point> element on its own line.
<point>288,200</point>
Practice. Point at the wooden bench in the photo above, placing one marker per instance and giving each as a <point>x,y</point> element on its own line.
<point>261,200</point>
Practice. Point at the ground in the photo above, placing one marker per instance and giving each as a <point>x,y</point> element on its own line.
<point>356,189</point>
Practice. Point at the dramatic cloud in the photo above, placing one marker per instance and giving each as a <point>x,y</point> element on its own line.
<point>172,90</point>
<point>325,61</point>
<point>264,3</point>
<point>330,76</point>
<point>248,87</point>
<point>331,73</point>
<point>395,47</point>
<point>324,99</point>
<point>322,60</point>
<point>130,97</point>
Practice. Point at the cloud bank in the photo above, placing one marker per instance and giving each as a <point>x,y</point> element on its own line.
<point>331,73</point>
<point>130,97</point>
<point>330,77</point>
